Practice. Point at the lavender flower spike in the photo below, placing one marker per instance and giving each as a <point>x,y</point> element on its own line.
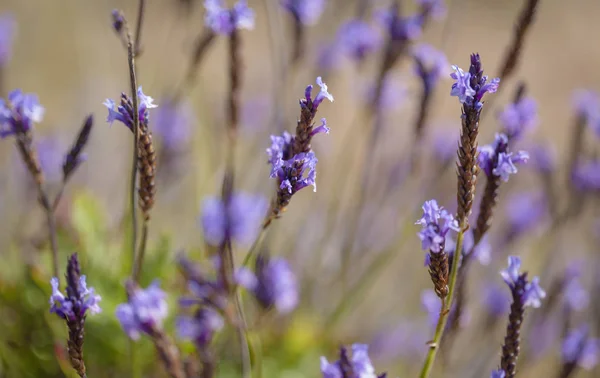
<point>224,21</point>
<point>277,286</point>
<point>124,112</point>
<point>144,311</point>
<point>436,222</point>
<point>496,160</point>
<point>322,95</point>
<point>22,111</point>
<point>470,87</point>
<point>359,365</point>
<point>201,327</point>
<point>530,293</point>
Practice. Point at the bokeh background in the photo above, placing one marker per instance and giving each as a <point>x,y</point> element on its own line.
<point>67,53</point>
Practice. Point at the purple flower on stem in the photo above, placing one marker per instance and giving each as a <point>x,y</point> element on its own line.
<point>7,34</point>
<point>579,349</point>
<point>80,300</point>
<point>144,312</point>
<point>124,112</point>
<point>296,173</point>
<point>244,211</point>
<point>436,222</point>
<point>307,12</point>
<point>322,95</point>
<point>518,118</point>
<point>498,374</point>
<point>496,160</point>
<point>431,64</point>
<point>470,87</point>
<point>531,293</point>
<point>359,365</point>
<point>358,39</point>
<point>462,87</point>
<point>224,21</point>
<point>22,111</point>
<point>201,327</point>
<point>276,284</point>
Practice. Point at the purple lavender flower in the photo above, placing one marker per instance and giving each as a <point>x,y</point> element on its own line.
<point>276,284</point>
<point>7,34</point>
<point>79,301</point>
<point>400,28</point>
<point>495,160</point>
<point>470,87</point>
<point>124,112</point>
<point>436,8</point>
<point>579,349</point>
<point>22,111</point>
<point>173,124</point>
<point>498,374</point>
<point>307,12</point>
<point>436,222</point>
<point>519,118</point>
<point>322,95</point>
<point>431,64</point>
<point>358,366</point>
<point>525,211</point>
<point>224,21</point>
<point>587,105</point>
<point>575,295</point>
<point>51,154</point>
<point>358,39</point>
<point>244,211</point>
<point>201,327</point>
<point>530,291</point>
<point>543,157</point>
<point>144,311</point>
<point>587,175</point>
<point>296,173</point>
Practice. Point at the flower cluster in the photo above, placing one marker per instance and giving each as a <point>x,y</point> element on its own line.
<point>529,293</point>
<point>307,12</point>
<point>80,299</point>
<point>19,115</point>
<point>471,86</point>
<point>519,117</point>
<point>224,21</point>
<point>238,220</point>
<point>359,365</point>
<point>496,160</point>
<point>144,311</point>
<point>436,222</point>
<point>431,64</point>
<point>124,112</point>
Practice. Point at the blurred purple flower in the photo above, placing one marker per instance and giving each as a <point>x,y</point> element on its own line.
<point>543,335</point>
<point>276,284</point>
<point>224,21</point>
<point>51,154</point>
<point>173,124</point>
<point>498,374</point>
<point>358,38</point>
<point>495,160</point>
<point>244,212</point>
<point>496,301</point>
<point>519,118</point>
<point>358,366</point>
<point>22,111</point>
<point>431,64</point>
<point>399,28</point>
<point>81,299</point>
<point>435,8</point>
<point>483,250</point>
<point>144,311</point>
<point>436,222</point>
<point>201,327</point>
<point>306,12</point>
<point>575,295</point>
<point>124,112</point>
<point>530,291</point>
<point>525,211</point>
<point>578,348</point>
<point>7,35</point>
<point>543,157</point>
<point>393,94</point>
<point>445,145</point>
<point>402,341</point>
<point>586,175</point>
<point>587,105</point>
<point>431,303</point>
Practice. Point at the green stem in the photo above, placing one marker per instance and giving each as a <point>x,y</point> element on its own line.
<point>441,324</point>
<point>257,243</point>
<point>139,259</point>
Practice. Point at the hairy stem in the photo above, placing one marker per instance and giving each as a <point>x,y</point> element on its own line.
<point>136,132</point>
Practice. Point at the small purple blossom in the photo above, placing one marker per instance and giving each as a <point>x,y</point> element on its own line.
<point>124,112</point>
<point>173,124</point>
<point>243,213</point>
<point>462,88</point>
<point>470,87</point>
<point>75,305</point>
<point>496,160</point>
<point>307,12</point>
<point>436,8</point>
<point>201,327</point>
<point>358,38</point>
<point>359,365</point>
<point>519,118</point>
<point>498,374</point>
<point>576,296</point>
<point>296,173</point>
<point>7,35</point>
<point>276,284</point>
<point>431,64</point>
<point>22,111</point>
<point>144,312</point>
<point>224,21</point>
<point>436,222</point>
<point>322,95</point>
<point>578,348</point>
<point>530,292</point>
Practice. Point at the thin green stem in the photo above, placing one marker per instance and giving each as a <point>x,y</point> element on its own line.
<point>139,258</point>
<point>443,319</point>
<point>255,245</point>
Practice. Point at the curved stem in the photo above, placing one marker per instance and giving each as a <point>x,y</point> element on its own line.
<point>139,258</point>
<point>441,324</point>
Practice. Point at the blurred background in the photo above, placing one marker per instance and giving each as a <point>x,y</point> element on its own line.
<point>68,54</point>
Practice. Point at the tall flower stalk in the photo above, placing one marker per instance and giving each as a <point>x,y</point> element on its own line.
<point>470,87</point>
